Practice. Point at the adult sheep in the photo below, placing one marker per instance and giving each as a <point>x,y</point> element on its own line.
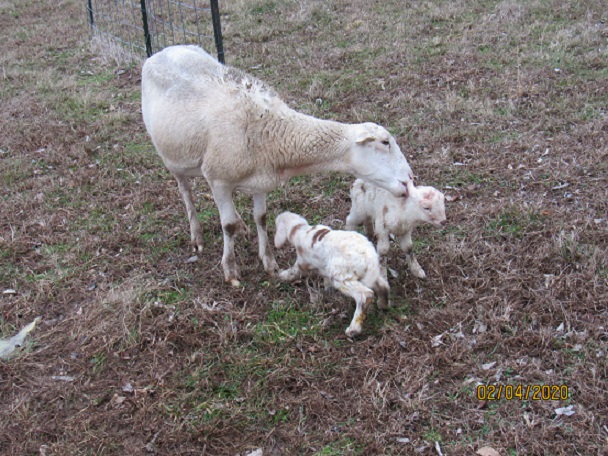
<point>212,120</point>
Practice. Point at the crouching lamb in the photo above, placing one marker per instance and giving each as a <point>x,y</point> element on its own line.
<point>346,259</point>
<point>383,214</point>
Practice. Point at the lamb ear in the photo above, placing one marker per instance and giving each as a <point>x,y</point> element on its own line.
<point>280,236</point>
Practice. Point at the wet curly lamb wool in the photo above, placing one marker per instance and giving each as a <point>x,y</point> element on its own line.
<point>383,214</point>
<point>347,261</point>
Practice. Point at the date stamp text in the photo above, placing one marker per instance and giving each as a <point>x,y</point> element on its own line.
<point>523,392</point>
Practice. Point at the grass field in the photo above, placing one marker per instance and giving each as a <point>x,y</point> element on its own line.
<point>501,104</point>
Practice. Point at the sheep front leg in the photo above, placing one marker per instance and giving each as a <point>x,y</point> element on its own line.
<point>408,249</point>
<point>382,246</point>
<point>298,270</point>
<point>354,218</point>
<point>232,224</point>
<point>265,251</point>
<point>363,296</point>
<point>196,233</point>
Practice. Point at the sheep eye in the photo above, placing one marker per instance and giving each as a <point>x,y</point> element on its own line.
<point>386,142</point>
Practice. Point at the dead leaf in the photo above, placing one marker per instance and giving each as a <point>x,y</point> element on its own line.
<point>63,378</point>
<point>480,328</point>
<point>452,198</point>
<point>487,451</point>
<point>568,411</point>
<point>117,400</point>
<point>7,346</point>
<point>327,396</point>
<point>437,341</point>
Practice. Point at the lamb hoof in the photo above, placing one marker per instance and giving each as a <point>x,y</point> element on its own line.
<point>384,305</point>
<point>197,248</point>
<point>351,333</point>
<point>235,283</point>
<point>285,275</point>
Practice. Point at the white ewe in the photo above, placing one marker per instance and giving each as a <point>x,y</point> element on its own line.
<point>207,119</point>
<point>346,260</point>
<point>382,214</point>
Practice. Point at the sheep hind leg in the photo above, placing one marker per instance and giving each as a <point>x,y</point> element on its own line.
<point>196,232</point>
<point>232,224</point>
<point>265,251</point>
<point>363,296</point>
<point>382,289</point>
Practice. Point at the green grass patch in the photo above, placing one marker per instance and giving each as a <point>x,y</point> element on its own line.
<point>285,322</point>
<point>346,445</point>
<point>514,223</point>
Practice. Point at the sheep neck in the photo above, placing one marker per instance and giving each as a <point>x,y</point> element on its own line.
<point>308,145</point>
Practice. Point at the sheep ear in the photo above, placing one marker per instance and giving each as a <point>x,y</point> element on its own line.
<point>280,237</point>
<point>365,138</point>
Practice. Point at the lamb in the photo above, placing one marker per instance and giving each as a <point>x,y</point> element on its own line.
<point>346,259</point>
<point>382,214</point>
<point>208,119</point>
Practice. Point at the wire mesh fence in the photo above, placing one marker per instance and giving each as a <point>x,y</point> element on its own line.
<point>139,28</point>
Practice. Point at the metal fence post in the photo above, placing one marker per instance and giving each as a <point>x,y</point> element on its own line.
<point>90,7</point>
<point>217,30</point>
<point>144,16</point>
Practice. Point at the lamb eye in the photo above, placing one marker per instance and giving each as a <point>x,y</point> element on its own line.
<point>386,142</point>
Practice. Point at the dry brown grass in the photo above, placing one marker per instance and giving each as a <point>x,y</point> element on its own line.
<point>501,104</point>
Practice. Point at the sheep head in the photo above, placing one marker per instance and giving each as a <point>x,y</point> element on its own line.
<point>375,157</point>
<point>429,204</point>
<point>286,225</point>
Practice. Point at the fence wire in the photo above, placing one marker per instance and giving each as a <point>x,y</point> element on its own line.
<point>143,27</point>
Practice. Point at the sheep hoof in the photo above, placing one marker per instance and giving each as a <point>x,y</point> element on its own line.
<point>271,267</point>
<point>235,283</point>
<point>197,248</point>
<point>419,273</point>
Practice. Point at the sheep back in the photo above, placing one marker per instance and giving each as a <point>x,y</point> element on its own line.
<point>202,115</point>
<point>341,255</point>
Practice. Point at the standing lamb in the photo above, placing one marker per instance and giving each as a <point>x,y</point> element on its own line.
<point>382,214</point>
<point>208,119</point>
<point>346,259</point>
